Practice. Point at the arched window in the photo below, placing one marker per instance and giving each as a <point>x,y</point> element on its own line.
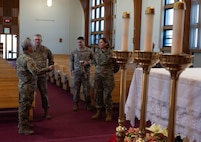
<point>96,21</point>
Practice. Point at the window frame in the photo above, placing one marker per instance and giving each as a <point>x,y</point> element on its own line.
<point>186,36</point>
<point>96,20</point>
<point>167,6</point>
<point>194,26</point>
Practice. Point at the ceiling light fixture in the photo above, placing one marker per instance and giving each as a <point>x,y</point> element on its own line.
<point>49,3</point>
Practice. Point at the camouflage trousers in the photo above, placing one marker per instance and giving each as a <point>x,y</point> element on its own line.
<point>84,80</point>
<point>26,98</point>
<point>42,87</point>
<point>103,85</point>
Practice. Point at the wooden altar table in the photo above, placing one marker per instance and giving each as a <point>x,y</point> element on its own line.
<point>188,111</point>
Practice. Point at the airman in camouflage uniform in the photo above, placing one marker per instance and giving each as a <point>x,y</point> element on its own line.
<point>41,55</point>
<point>80,60</point>
<point>103,79</point>
<point>27,74</point>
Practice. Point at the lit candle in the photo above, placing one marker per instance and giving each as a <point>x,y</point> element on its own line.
<point>178,28</point>
<point>149,21</point>
<point>126,21</point>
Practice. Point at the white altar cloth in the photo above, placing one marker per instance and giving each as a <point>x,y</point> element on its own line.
<point>188,110</point>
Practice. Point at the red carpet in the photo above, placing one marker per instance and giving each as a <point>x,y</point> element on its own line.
<point>65,125</point>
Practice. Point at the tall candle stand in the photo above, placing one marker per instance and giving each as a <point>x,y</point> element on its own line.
<point>175,64</point>
<point>146,60</point>
<point>122,57</point>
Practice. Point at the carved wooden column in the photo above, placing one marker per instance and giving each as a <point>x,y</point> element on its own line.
<point>86,7</point>
<point>137,23</point>
<point>187,27</point>
<point>108,25</point>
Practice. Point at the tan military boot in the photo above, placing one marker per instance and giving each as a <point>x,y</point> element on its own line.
<point>75,107</point>
<point>25,131</point>
<point>97,115</point>
<point>108,115</point>
<point>46,115</point>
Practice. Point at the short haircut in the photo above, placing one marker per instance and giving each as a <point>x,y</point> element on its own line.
<point>80,38</point>
<point>26,44</point>
<point>38,35</point>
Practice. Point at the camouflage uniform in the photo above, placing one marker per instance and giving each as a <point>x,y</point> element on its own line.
<point>27,74</point>
<point>81,74</point>
<point>103,79</point>
<point>40,56</point>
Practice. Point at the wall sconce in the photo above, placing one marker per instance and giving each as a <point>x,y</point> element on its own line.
<point>49,3</point>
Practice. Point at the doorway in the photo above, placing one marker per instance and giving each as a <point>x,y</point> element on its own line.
<point>10,45</point>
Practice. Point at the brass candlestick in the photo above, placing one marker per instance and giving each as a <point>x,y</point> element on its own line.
<point>146,60</point>
<point>122,57</point>
<point>175,64</point>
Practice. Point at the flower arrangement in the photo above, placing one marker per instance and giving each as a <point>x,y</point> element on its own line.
<point>155,134</point>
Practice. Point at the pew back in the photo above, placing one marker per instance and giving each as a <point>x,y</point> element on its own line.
<point>9,93</point>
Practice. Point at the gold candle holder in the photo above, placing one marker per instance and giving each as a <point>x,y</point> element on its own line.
<point>122,57</point>
<point>175,64</point>
<point>146,60</point>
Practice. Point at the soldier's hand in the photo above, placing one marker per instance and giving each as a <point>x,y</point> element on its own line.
<point>85,63</point>
<point>51,67</point>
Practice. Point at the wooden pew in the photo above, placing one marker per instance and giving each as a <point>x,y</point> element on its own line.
<point>9,93</point>
<point>65,72</point>
<point>66,78</point>
<point>129,74</point>
<point>57,72</point>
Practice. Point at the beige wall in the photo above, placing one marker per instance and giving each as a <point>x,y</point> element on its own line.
<point>63,20</point>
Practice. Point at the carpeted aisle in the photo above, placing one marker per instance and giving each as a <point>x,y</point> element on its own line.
<point>65,125</point>
<point>101,138</point>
